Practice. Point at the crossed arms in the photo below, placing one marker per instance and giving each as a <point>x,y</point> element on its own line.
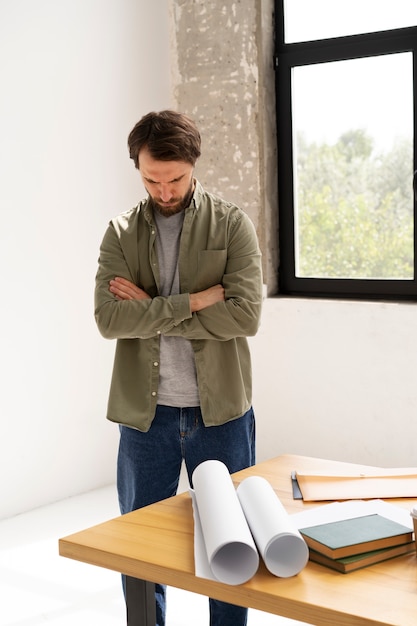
<point>123,289</point>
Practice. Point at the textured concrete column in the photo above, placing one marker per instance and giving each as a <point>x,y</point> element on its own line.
<point>223,77</point>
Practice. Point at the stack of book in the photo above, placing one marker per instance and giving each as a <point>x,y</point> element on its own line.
<point>351,544</point>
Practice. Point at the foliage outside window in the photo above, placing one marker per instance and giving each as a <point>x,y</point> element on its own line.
<point>355,216</point>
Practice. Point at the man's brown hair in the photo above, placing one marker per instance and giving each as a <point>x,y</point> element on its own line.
<point>168,135</point>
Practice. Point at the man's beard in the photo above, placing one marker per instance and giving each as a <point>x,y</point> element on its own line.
<point>175,205</point>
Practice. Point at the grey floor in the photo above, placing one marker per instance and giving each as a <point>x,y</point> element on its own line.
<point>38,587</point>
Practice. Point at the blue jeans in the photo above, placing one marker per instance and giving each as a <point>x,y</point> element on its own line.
<point>149,465</point>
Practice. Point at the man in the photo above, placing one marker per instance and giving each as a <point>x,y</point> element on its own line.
<point>179,285</point>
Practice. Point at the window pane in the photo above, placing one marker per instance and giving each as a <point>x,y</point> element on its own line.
<point>353,165</point>
<point>307,20</point>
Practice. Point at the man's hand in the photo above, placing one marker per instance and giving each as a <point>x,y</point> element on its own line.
<point>125,290</point>
<point>203,299</point>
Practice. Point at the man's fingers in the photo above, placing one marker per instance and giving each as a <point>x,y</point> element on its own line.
<point>126,290</point>
<point>119,288</point>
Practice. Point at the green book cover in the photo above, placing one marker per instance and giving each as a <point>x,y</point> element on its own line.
<point>356,535</point>
<point>359,561</point>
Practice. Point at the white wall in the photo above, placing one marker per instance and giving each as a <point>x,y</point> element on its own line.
<point>75,77</point>
<point>337,380</point>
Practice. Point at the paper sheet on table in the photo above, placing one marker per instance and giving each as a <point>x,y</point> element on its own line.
<point>224,547</point>
<point>371,483</point>
<point>337,511</point>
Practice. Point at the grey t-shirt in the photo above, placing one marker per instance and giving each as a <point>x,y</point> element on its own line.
<point>177,376</point>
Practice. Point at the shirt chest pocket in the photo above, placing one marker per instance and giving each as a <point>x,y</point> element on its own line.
<point>211,267</point>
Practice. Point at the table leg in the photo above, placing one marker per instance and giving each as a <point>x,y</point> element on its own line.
<point>140,602</point>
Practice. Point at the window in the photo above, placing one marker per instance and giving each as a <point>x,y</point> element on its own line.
<point>346,118</point>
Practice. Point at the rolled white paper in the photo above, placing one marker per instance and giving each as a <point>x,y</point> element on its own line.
<point>280,544</point>
<point>228,523</point>
<point>223,540</point>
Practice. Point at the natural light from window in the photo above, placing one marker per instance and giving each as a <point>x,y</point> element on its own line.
<point>306,20</point>
<point>353,132</point>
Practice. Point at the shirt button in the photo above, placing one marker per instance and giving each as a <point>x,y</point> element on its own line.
<point>156,363</point>
<point>158,332</point>
<point>154,393</point>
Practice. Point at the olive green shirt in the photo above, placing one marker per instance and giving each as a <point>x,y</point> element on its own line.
<point>218,245</point>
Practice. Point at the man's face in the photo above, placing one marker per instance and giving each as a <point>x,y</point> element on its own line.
<point>170,184</point>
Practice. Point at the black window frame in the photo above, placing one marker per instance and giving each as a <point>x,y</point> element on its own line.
<point>287,56</point>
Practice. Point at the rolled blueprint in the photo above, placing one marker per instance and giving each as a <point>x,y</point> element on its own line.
<point>279,542</point>
<point>223,545</point>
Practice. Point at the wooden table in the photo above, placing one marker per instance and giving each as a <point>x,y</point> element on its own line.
<point>156,544</point>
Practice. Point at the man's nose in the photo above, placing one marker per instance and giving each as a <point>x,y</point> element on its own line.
<point>165,192</point>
